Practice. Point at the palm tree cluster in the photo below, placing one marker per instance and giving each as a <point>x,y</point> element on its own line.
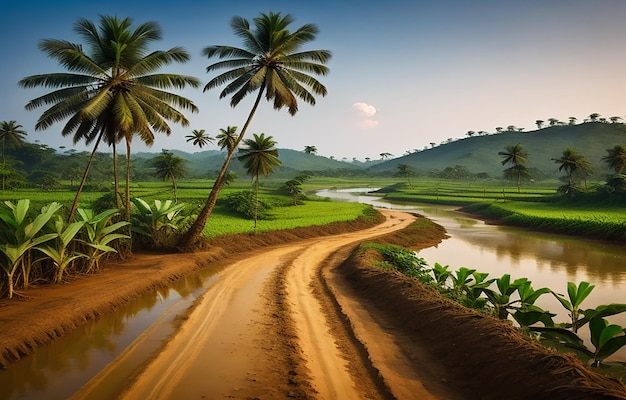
<point>112,90</point>
<point>576,166</point>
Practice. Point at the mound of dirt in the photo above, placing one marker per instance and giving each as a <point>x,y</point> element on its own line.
<point>488,358</point>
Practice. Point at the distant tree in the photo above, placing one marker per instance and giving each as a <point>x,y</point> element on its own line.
<point>499,129</point>
<point>259,158</point>
<point>432,144</point>
<point>593,117</point>
<point>405,171</point>
<point>614,120</point>
<point>9,132</point>
<point>572,120</point>
<point>553,122</point>
<point>511,128</point>
<point>520,129</point>
<point>310,149</point>
<point>199,138</point>
<point>616,159</point>
<point>169,167</point>
<point>515,156</point>
<point>574,165</point>
<point>294,188</point>
<point>470,133</point>
<point>367,159</point>
<point>539,123</point>
<point>227,138</point>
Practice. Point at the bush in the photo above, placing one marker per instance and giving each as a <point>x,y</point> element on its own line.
<point>243,203</point>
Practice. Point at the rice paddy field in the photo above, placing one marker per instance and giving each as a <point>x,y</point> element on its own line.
<point>535,205</point>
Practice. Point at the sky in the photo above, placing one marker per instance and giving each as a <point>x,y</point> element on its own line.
<point>403,75</point>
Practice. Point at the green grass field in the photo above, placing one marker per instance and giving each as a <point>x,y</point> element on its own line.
<point>535,205</point>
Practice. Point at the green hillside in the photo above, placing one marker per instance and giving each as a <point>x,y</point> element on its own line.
<point>480,153</point>
<point>293,162</point>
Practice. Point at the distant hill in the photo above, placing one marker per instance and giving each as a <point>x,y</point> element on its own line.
<point>480,153</point>
<point>293,162</point>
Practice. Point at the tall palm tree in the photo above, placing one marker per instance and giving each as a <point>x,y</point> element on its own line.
<point>169,167</point>
<point>616,159</point>
<point>112,90</point>
<point>199,138</point>
<point>270,64</point>
<point>515,156</point>
<point>9,131</point>
<point>259,158</point>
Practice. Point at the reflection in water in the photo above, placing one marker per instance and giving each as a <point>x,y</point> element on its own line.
<point>58,370</point>
<point>547,260</point>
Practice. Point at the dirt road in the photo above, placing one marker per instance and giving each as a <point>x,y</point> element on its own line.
<point>314,320</point>
<point>270,327</point>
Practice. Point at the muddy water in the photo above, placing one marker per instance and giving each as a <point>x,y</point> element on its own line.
<point>547,260</point>
<point>132,334</point>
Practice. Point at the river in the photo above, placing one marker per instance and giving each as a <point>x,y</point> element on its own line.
<point>547,260</point>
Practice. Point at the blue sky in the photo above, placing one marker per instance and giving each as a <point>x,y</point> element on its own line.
<point>404,74</point>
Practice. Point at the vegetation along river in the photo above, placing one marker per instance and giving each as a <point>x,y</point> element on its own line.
<point>59,369</point>
<point>547,260</point>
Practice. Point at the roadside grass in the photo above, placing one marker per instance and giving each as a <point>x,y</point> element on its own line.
<point>283,215</point>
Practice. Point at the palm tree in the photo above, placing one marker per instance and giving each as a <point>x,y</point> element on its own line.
<point>227,138</point>
<point>112,91</point>
<point>9,131</point>
<point>572,164</point>
<point>198,138</point>
<point>310,149</point>
<point>594,117</point>
<point>516,157</point>
<point>539,123</point>
<point>270,64</point>
<point>169,167</point>
<point>259,158</point>
<point>572,120</point>
<point>616,159</point>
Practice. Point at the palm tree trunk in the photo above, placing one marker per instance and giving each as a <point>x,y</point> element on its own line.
<point>256,200</point>
<point>116,177</point>
<point>84,179</point>
<point>188,241</point>
<point>127,179</point>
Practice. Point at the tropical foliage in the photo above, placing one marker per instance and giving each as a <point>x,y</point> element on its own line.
<point>259,157</point>
<point>111,91</point>
<point>270,63</point>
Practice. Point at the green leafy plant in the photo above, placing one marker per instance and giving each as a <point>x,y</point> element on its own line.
<point>158,223</point>
<point>19,236</point>
<point>99,233</point>
<point>606,338</point>
<point>60,252</point>
<point>576,295</point>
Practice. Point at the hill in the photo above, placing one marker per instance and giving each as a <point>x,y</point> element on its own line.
<point>293,162</point>
<point>480,153</point>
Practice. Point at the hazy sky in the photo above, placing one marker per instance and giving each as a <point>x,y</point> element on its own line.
<point>404,74</point>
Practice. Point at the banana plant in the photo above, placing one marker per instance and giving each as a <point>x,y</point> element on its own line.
<point>472,296</point>
<point>100,232</point>
<point>19,236</point>
<point>461,278</point>
<point>606,338</point>
<point>60,252</point>
<point>158,222</point>
<point>441,275</point>
<point>501,299</point>
<point>576,294</point>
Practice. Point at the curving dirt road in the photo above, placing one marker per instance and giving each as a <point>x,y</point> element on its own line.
<point>272,326</point>
<point>310,320</point>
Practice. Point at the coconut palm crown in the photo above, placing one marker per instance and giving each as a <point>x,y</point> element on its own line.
<point>270,62</point>
<point>111,90</point>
